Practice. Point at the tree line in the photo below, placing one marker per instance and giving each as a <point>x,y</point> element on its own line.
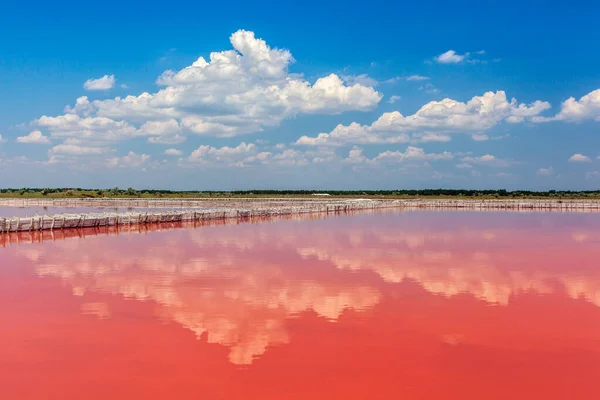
<point>116,191</point>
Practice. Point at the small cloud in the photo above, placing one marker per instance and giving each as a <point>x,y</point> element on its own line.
<point>34,137</point>
<point>173,152</point>
<point>479,137</point>
<point>450,57</point>
<point>124,86</point>
<point>579,158</point>
<point>130,160</point>
<point>393,99</point>
<point>104,83</point>
<point>2,139</point>
<point>488,159</point>
<point>546,171</point>
<point>417,78</point>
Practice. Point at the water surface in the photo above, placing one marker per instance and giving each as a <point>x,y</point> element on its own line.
<point>415,305</point>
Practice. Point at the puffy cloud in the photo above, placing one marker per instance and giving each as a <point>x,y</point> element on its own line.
<point>572,110</point>
<point>522,111</point>
<point>91,130</point>
<point>487,159</point>
<point>250,154</point>
<point>445,116</point>
<point>130,160</point>
<point>230,155</point>
<point>355,156</point>
<point>579,158</point>
<point>393,99</point>
<point>450,57</point>
<point>104,83</point>
<point>412,153</point>
<point>481,112</point>
<point>353,133</point>
<point>162,132</point>
<point>34,137</point>
<point>173,152</point>
<point>1,139</point>
<point>238,91</point>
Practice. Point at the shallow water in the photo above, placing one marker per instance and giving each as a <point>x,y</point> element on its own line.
<point>415,305</point>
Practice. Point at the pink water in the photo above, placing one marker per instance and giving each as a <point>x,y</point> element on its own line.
<point>416,305</point>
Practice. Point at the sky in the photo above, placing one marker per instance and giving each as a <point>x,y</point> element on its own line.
<point>300,95</point>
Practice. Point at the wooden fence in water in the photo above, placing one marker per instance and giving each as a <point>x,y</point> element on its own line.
<point>90,220</point>
<point>251,209</point>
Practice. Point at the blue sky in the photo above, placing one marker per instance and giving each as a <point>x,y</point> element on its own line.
<point>300,95</point>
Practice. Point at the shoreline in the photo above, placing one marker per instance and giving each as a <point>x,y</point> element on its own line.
<point>249,209</point>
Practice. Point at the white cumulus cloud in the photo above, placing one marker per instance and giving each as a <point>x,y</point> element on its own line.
<point>450,57</point>
<point>573,110</point>
<point>487,159</point>
<point>246,89</point>
<point>441,117</point>
<point>173,152</point>
<point>412,153</point>
<point>34,137</point>
<point>104,83</point>
<point>579,158</point>
<point>132,159</point>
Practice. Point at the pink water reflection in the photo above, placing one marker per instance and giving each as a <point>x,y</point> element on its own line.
<point>413,305</point>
